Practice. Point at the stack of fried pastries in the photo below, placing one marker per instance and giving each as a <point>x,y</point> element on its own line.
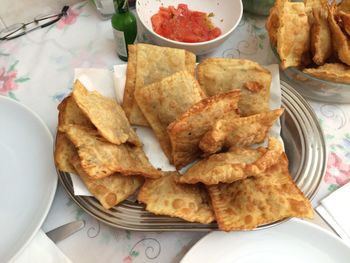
<point>313,35</point>
<point>95,141</point>
<point>213,120</point>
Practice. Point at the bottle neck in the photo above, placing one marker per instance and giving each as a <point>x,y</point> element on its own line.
<point>121,6</point>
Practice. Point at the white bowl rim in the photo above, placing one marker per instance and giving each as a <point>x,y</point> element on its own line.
<point>196,43</point>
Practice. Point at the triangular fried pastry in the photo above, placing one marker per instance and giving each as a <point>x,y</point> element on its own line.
<point>293,36</point>
<point>336,72</point>
<point>64,152</point>
<point>162,102</point>
<point>220,75</point>
<point>100,158</point>
<point>345,19</point>
<point>321,40</point>
<point>238,132</point>
<point>268,159</point>
<point>111,190</point>
<point>164,196</point>
<point>128,99</point>
<point>186,132</point>
<point>248,203</point>
<point>106,115</point>
<point>237,164</point>
<point>341,43</point>
<point>154,63</point>
<point>310,5</point>
<point>223,167</point>
<point>344,6</point>
<point>273,21</point>
<point>70,113</point>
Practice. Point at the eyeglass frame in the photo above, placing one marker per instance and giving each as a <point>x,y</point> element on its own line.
<point>36,21</point>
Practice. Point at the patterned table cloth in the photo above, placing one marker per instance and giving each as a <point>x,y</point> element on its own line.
<point>37,70</point>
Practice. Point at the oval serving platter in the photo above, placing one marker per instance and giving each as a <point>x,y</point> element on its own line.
<point>304,145</point>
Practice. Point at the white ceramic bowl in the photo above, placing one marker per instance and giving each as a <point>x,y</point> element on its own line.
<point>227,14</point>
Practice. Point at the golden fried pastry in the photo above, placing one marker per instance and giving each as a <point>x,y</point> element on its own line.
<point>255,201</point>
<point>128,98</point>
<point>237,164</point>
<point>153,63</point>
<point>268,159</point>
<point>223,167</point>
<point>219,75</point>
<point>162,102</point>
<point>321,43</point>
<point>341,43</point>
<point>336,72</point>
<point>345,19</point>
<point>293,36</point>
<point>273,21</point>
<point>186,132</point>
<point>100,158</point>
<point>110,190</point>
<point>344,6</point>
<point>164,196</point>
<point>107,116</point>
<point>70,113</point>
<point>238,132</point>
<point>310,5</point>
<point>64,152</point>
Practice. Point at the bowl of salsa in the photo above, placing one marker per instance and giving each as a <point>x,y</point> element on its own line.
<point>199,26</point>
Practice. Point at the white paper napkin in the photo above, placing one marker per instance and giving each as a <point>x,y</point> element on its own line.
<point>111,84</point>
<point>41,249</point>
<point>335,210</point>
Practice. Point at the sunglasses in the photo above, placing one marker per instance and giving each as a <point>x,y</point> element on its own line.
<point>41,21</point>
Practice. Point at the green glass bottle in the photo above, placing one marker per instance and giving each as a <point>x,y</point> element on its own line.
<point>124,28</point>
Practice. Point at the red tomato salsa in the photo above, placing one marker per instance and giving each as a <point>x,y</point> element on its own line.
<point>184,25</point>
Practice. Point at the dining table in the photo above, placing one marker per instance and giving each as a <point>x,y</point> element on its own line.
<point>37,69</point>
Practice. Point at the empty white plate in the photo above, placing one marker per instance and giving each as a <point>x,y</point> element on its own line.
<point>28,177</point>
<point>290,242</point>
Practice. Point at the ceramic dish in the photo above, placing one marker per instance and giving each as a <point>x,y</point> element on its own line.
<point>227,14</point>
<point>295,241</point>
<point>27,176</point>
<point>305,147</point>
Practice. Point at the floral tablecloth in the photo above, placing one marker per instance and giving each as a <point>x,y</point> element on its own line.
<point>37,70</point>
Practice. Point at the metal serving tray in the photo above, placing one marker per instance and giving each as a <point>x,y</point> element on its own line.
<point>305,147</point>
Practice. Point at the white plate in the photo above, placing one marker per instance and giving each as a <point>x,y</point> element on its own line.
<point>290,242</point>
<point>28,177</point>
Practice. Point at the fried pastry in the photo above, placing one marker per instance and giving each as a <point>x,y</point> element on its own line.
<point>293,36</point>
<point>248,203</point>
<point>273,21</point>
<point>153,63</point>
<point>344,6</point>
<point>64,152</point>
<point>238,132</point>
<point>341,43</point>
<point>100,158</point>
<point>106,115</point>
<point>237,164</point>
<point>164,196</point>
<point>336,72</point>
<point>111,190</point>
<point>321,43</point>
<point>186,132</point>
<point>219,75</point>
<point>162,102</point>
<point>345,19</point>
<point>70,113</point>
<point>128,98</point>
<point>223,167</point>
